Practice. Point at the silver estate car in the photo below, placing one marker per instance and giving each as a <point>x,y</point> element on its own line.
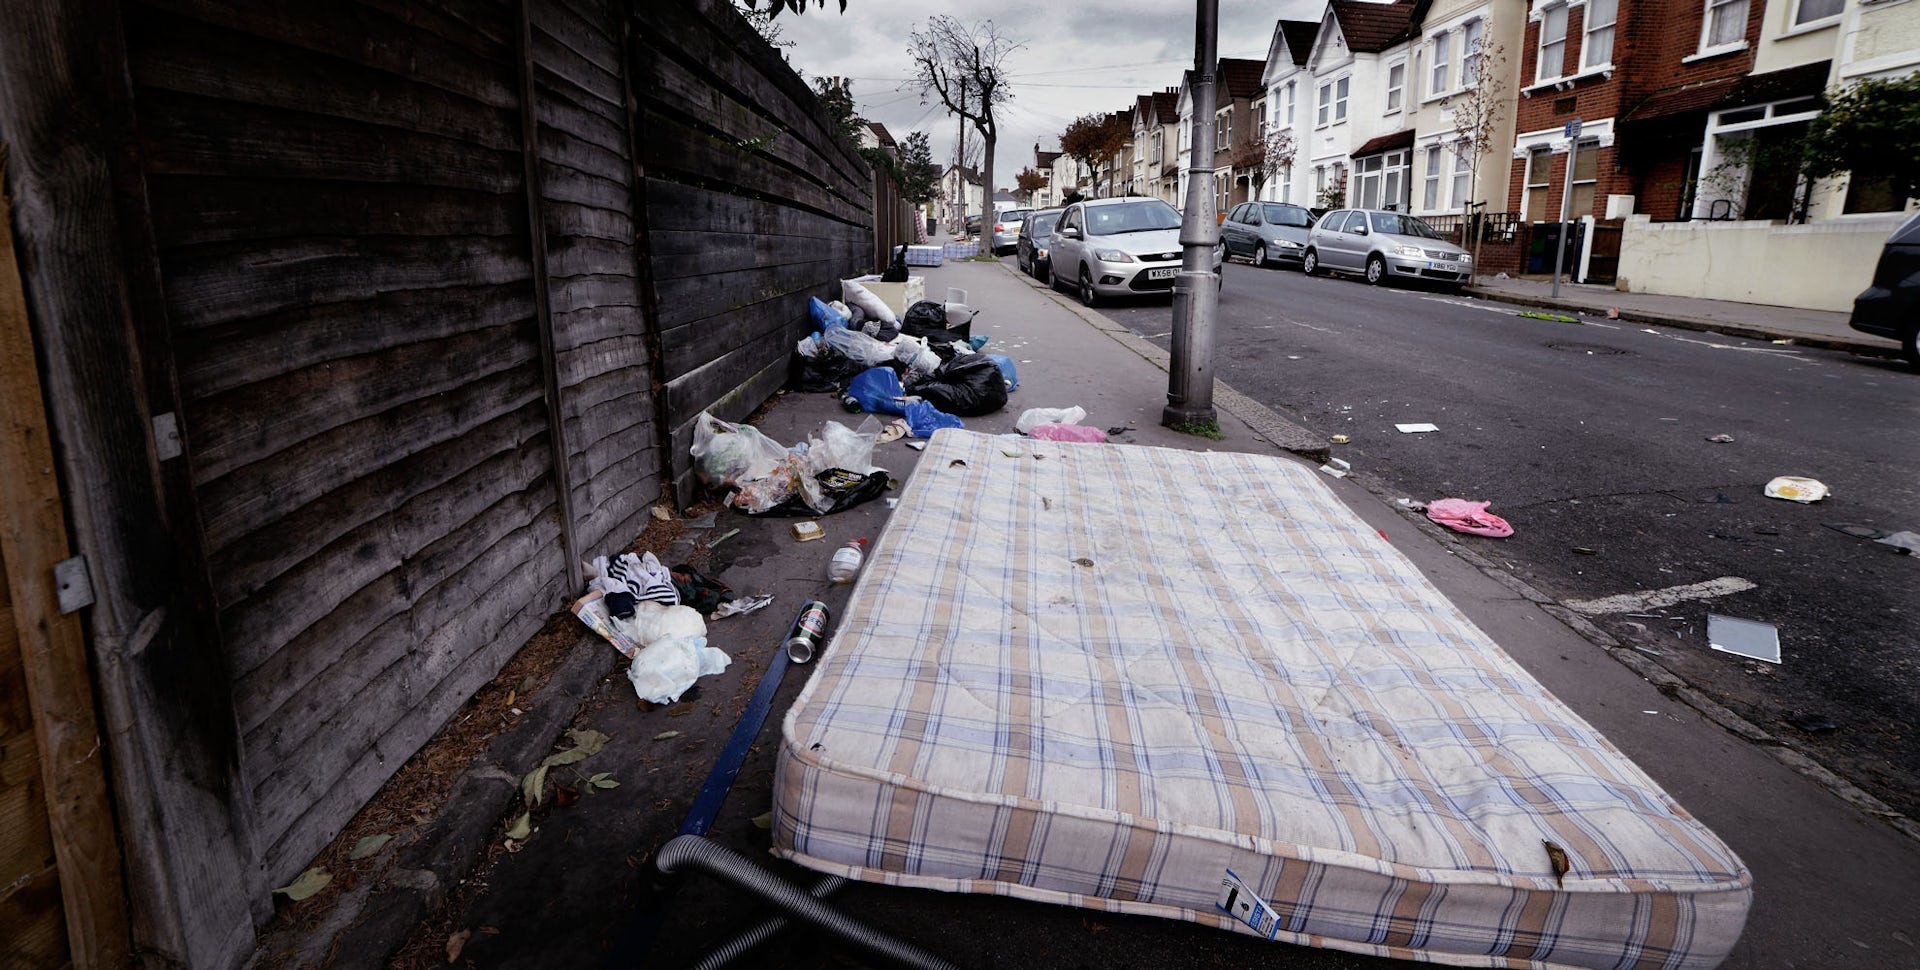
<point>1118,247</point>
<point>1381,245</point>
<point>1266,232</point>
<point>1006,229</point>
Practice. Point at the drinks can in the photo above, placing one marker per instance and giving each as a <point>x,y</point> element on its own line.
<point>809,632</point>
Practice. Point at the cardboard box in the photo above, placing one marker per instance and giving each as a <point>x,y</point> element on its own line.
<point>898,296</point>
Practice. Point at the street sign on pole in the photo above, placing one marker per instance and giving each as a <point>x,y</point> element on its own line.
<point>1566,200</point>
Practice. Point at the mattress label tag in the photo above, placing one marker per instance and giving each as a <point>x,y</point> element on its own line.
<point>1243,904</point>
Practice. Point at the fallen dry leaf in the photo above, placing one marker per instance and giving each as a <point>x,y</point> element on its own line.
<point>666,735</point>
<point>1558,857</point>
<point>369,845</point>
<point>456,943</point>
<point>308,883</point>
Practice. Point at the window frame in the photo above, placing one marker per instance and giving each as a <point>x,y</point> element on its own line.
<point>1440,70</point>
<point>1396,93</point>
<point>1430,179</point>
<point>1588,30</point>
<point>1710,47</point>
<point>1472,32</point>
<point>1323,104</point>
<point>1290,103</point>
<point>1343,86</point>
<point>1565,12</point>
<point>1461,181</point>
<point>1794,21</point>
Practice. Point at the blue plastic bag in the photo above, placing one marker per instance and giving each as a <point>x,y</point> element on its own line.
<point>824,317</point>
<point>878,390</point>
<point>1007,371</point>
<point>977,341</point>
<point>924,419</point>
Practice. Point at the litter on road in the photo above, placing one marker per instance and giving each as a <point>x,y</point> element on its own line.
<point>1906,542</point>
<point>1416,428</point>
<point>1794,488</point>
<point>1473,518</point>
<point>1745,638</point>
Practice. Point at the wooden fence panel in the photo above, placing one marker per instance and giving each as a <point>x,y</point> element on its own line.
<point>434,290</point>
<point>600,345</point>
<point>360,372</point>
<point>737,155</point>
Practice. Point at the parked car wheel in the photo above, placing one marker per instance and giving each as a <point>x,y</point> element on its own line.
<point>1310,263</point>
<point>1260,255</point>
<point>1376,270</point>
<point>1087,295</point>
<point>1910,348</point>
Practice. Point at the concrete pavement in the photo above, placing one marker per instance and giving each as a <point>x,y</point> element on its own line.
<point>1832,882</point>
<point>1812,328</point>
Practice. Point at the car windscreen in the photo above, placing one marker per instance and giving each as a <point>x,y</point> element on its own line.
<point>1286,215</point>
<point>1149,216</point>
<point>1038,226</point>
<point>1013,215</point>
<point>1401,225</point>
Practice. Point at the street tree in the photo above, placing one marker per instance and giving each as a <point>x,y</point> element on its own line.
<point>965,68</point>
<point>1029,182</point>
<point>1476,112</point>
<point>1276,158</point>
<point>1096,138</point>
<point>921,175</point>
<point>1871,130</point>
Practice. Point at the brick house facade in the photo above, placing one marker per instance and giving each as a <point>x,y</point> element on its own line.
<point>1641,76</point>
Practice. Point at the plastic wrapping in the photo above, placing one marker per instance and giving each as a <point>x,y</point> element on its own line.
<point>878,390</point>
<point>727,454</point>
<point>1033,417</point>
<point>924,419</point>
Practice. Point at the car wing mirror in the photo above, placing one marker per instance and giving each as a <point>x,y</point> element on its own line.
<point>1360,230</point>
<point>1070,232</point>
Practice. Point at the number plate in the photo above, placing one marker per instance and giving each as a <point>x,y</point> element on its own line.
<point>1162,274</point>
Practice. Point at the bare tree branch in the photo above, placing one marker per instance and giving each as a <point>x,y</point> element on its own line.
<point>964,68</point>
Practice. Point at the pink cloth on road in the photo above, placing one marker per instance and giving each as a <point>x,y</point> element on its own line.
<point>1471,517</point>
<point>1067,432</point>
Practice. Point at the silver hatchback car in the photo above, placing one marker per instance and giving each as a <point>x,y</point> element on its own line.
<point>1118,247</point>
<point>1382,245</point>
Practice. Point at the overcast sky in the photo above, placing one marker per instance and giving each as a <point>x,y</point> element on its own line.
<point>1078,58</point>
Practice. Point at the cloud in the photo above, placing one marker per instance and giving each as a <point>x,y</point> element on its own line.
<point>1075,60</point>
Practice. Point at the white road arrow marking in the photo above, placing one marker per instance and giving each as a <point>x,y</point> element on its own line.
<point>1648,599</point>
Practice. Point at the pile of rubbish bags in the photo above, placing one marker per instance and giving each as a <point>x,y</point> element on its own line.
<point>929,356</point>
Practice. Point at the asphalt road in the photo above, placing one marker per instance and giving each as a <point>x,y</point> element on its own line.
<point>1591,439</point>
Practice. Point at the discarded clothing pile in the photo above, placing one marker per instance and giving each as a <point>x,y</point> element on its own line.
<point>632,603</point>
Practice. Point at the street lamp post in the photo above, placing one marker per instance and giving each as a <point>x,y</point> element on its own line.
<point>1196,291</point>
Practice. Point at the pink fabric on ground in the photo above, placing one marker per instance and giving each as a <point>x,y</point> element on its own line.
<point>1067,432</point>
<point>1470,517</point>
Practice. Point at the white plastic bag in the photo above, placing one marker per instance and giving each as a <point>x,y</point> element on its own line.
<point>653,622</point>
<point>1034,417</point>
<point>837,446</point>
<point>726,454</point>
<point>858,295</point>
<point>858,346</point>
<point>665,669</point>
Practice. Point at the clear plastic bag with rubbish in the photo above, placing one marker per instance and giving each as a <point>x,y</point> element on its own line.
<point>858,346</point>
<point>727,454</point>
<point>837,446</point>
<point>1033,417</point>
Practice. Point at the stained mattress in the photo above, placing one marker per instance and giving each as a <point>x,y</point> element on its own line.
<point>1193,685</point>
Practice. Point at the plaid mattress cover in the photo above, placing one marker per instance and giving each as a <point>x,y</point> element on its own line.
<point>1156,681</point>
